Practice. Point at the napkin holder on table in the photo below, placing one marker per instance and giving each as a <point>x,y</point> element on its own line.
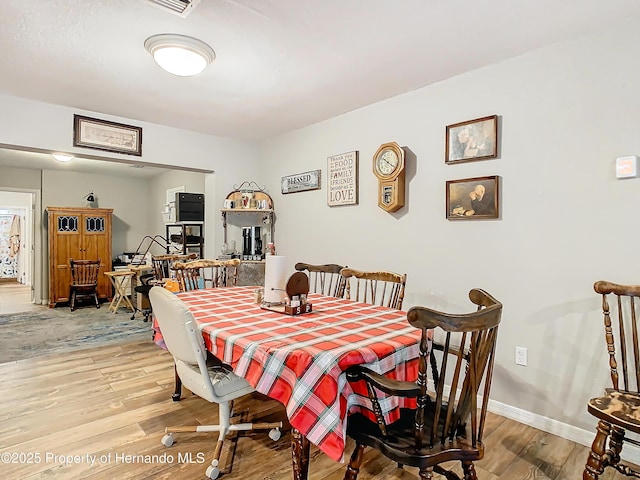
<point>295,303</point>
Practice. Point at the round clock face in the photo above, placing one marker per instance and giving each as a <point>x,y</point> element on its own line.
<point>387,162</point>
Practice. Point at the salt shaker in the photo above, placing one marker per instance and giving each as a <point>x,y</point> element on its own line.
<point>258,295</point>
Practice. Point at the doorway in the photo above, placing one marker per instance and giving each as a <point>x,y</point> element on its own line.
<point>17,249</point>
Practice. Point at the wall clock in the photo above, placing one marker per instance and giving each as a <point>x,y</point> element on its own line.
<point>388,166</point>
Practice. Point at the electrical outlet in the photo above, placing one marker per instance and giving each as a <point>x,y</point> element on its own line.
<point>521,356</point>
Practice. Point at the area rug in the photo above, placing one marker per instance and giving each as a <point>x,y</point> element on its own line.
<point>52,330</point>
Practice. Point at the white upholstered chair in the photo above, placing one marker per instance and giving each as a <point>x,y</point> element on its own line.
<point>215,383</point>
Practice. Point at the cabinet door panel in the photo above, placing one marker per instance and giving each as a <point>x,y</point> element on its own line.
<point>96,244</point>
<point>66,247</point>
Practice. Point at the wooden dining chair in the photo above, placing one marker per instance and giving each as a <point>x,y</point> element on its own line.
<point>204,273</point>
<point>163,264</point>
<point>84,281</point>
<point>377,288</point>
<point>448,420</point>
<point>618,410</point>
<point>325,279</point>
<point>161,269</point>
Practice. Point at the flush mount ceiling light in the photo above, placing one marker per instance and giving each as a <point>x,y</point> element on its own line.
<point>62,157</point>
<point>180,54</point>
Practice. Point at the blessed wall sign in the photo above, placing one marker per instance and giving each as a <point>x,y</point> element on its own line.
<point>301,182</point>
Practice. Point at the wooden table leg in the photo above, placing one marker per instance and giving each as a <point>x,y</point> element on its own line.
<point>122,292</point>
<point>115,298</point>
<point>299,455</point>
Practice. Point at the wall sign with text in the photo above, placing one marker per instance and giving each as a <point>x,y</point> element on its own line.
<point>301,182</point>
<point>342,183</point>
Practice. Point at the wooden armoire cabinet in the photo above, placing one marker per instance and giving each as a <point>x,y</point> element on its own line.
<point>81,234</point>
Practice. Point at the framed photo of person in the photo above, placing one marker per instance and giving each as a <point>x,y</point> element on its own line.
<point>472,140</point>
<point>473,198</point>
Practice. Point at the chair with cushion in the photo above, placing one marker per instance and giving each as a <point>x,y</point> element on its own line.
<point>205,273</point>
<point>161,265</point>
<point>377,288</point>
<point>199,274</point>
<point>84,281</point>
<point>324,279</point>
<point>211,380</point>
<point>447,423</point>
<point>618,410</point>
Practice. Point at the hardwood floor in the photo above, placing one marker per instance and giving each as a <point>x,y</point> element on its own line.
<point>111,405</point>
<point>15,297</point>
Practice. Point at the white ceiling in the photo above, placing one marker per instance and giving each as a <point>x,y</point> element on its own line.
<point>281,64</point>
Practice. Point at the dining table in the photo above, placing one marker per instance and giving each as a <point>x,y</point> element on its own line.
<point>300,360</point>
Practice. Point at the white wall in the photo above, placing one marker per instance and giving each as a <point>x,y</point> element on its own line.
<point>566,112</point>
<point>33,124</point>
<point>128,196</point>
<point>50,127</point>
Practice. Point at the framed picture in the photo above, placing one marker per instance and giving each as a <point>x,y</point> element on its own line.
<point>473,198</point>
<point>108,136</point>
<point>342,185</point>
<point>472,140</point>
<point>301,182</point>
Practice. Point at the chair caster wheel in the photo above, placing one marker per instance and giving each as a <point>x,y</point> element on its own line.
<point>167,440</point>
<point>212,472</point>
<point>176,397</point>
<point>275,434</point>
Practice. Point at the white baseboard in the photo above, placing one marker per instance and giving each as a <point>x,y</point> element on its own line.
<point>630,453</point>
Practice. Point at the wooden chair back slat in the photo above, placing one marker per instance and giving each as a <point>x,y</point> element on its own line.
<point>451,408</point>
<point>162,264</point>
<point>324,279</point>
<point>634,330</point>
<point>84,272</point>
<point>469,343</point>
<point>621,338</point>
<point>204,273</point>
<point>84,281</point>
<point>376,288</point>
<point>616,409</point>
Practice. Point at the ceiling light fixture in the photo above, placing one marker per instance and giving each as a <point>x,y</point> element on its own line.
<point>178,54</point>
<point>61,157</point>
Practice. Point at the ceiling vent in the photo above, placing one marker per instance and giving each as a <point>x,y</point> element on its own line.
<point>182,8</point>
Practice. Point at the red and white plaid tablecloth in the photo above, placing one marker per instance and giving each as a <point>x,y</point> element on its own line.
<point>300,360</point>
